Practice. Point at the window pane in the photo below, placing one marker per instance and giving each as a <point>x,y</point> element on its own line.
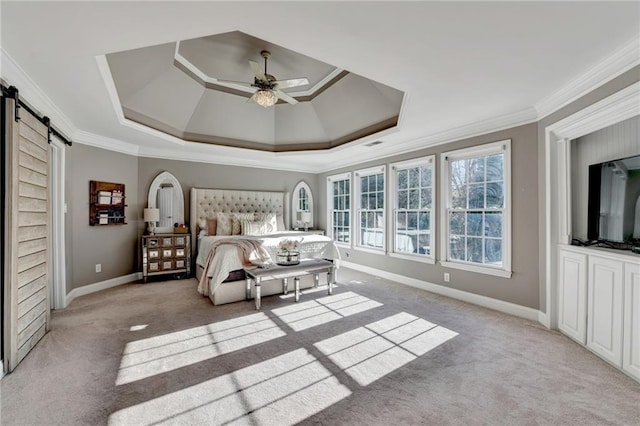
<point>495,167</point>
<point>476,196</point>
<point>425,198</point>
<point>380,182</point>
<point>412,221</point>
<point>403,199</point>
<point>495,195</point>
<point>456,224</point>
<point>372,183</point>
<point>424,241</point>
<point>474,224</point>
<point>401,221</point>
<point>456,246</point>
<point>493,252</point>
<point>425,221</point>
<point>336,203</point>
<point>414,178</point>
<point>425,176</point>
<point>379,220</point>
<point>414,198</point>
<point>493,225</point>
<point>476,170</point>
<point>474,250</point>
<point>403,180</point>
<point>458,184</point>
<point>380,199</point>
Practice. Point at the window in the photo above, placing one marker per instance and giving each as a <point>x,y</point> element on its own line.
<point>302,206</point>
<point>370,212</point>
<point>339,202</point>
<point>413,216</point>
<point>477,209</point>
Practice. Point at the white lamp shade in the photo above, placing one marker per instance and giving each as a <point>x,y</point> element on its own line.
<point>151,215</point>
<point>305,216</point>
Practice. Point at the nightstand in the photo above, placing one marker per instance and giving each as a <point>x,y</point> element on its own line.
<point>166,254</point>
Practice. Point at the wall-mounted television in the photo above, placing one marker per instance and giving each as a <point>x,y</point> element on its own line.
<point>614,201</point>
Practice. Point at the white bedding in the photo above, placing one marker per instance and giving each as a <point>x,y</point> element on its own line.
<point>227,258</point>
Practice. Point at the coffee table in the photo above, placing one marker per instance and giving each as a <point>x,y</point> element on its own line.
<point>305,267</point>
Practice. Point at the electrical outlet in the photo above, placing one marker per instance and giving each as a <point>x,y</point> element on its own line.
<point>98,267</point>
<point>447,277</point>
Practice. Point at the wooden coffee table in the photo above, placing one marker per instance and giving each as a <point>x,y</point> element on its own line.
<point>305,267</point>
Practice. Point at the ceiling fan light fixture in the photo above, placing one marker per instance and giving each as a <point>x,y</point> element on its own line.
<point>265,98</point>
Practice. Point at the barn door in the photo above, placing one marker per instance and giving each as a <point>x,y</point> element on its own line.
<point>27,242</point>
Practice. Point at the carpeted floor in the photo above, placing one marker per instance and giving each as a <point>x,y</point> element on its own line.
<point>375,353</point>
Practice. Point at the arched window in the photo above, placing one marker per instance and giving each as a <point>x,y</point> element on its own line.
<point>302,206</point>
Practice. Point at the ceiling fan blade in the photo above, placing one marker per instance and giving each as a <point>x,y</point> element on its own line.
<point>252,99</point>
<point>286,97</point>
<point>239,83</point>
<point>257,71</point>
<point>293,82</point>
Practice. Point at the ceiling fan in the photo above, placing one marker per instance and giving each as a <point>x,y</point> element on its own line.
<point>269,89</point>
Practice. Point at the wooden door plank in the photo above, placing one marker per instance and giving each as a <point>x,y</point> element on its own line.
<point>30,247</point>
<point>32,163</point>
<point>26,348</point>
<point>30,302</point>
<point>32,205</point>
<point>33,150</point>
<point>32,191</point>
<point>28,233</point>
<point>32,219</point>
<point>31,274</point>
<point>31,288</point>
<point>33,124</point>
<point>30,322</point>
<point>31,260</point>
<point>34,178</point>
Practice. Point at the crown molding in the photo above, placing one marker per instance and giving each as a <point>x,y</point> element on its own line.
<point>478,128</point>
<point>622,60</point>
<point>110,144</point>
<point>14,75</point>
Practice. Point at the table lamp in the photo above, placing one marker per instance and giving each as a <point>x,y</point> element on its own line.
<point>151,216</point>
<point>306,218</point>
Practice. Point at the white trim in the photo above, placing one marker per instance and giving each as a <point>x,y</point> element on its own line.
<point>617,107</point>
<point>329,200</point>
<point>496,272</point>
<point>465,153</point>
<point>476,299</point>
<point>392,207</point>
<point>58,210</point>
<point>370,250</point>
<point>102,285</point>
<point>620,61</point>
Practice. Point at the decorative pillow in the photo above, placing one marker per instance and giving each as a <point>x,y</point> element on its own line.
<point>269,218</point>
<point>212,225</point>
<point>256,227</point>
<point>224,224</point>
<point>236,228</point>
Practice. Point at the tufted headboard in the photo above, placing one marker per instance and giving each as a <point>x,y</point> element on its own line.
<point>205,202</point>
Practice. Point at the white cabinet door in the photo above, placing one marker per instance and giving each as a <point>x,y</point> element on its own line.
<point>605,308</point>
<point>631,346</point>
<point>572,295</point>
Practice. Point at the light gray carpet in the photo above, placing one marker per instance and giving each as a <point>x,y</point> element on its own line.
<point>375,353</point>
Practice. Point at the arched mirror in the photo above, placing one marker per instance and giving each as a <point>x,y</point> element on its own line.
<point>302,206</point>
<point>165,194</point>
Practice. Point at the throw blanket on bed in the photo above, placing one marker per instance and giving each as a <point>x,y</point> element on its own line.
<point>250,252</point>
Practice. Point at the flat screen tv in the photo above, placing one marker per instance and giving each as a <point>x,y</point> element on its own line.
<point>614,201</point>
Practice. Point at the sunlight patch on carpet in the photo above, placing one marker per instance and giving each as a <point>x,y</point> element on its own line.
<point>160,354</point>
<point>305,315</point>
<point>371,352</point>
<point>283,390</point>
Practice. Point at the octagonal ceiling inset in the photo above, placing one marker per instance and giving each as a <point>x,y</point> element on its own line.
<point>175,88</point>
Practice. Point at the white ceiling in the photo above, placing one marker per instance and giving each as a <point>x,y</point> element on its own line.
<point>464,67</point>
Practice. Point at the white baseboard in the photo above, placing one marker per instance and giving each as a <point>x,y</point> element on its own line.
<point>484,301</point>
<point>102,285</point>
<point>543,319</point>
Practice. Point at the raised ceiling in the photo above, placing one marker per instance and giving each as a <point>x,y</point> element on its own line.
<point>176,88</point>
<point>465,68</point>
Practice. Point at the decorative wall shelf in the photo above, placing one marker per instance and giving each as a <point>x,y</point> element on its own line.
<point>106,203</point>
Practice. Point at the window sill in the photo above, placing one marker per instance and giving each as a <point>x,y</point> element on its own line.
<point>370,250</point>
<point>414,258</point>
<point>479,269</point>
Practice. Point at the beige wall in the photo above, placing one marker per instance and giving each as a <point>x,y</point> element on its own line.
<point>114,247</point>
<point>522,287</point>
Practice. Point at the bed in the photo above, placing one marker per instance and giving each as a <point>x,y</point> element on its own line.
<point>225,279</point>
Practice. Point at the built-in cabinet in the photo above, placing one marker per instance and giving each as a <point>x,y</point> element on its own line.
<point>599,303</point>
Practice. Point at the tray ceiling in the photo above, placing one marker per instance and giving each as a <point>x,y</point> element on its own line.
<point>175,88</point>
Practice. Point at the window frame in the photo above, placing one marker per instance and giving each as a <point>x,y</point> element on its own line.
<point>393,208</point>
<point>330,180</point>
<point>358,174</point>
<point>503,146</point>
